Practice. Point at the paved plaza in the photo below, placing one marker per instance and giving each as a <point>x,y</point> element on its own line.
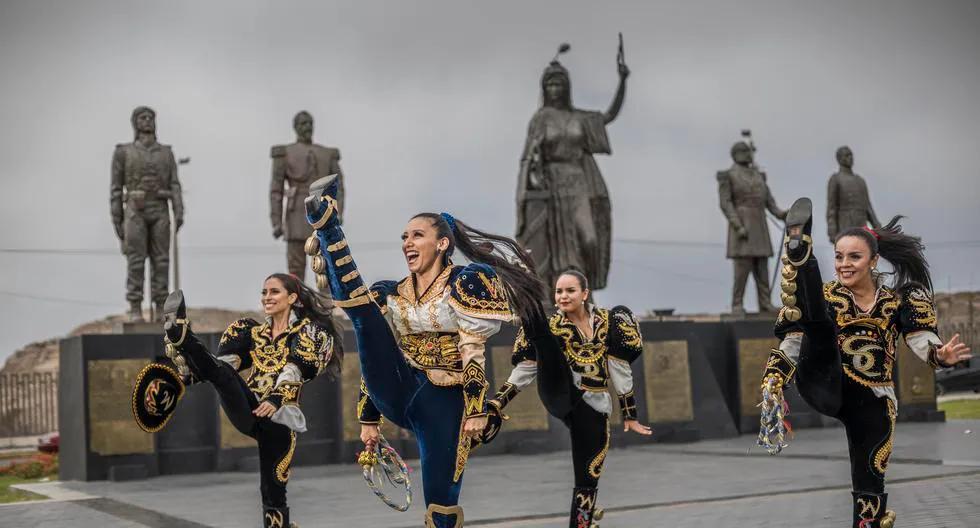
<point>934,481</point>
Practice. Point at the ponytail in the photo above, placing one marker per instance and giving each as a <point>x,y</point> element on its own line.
<point>904,252</point>
<point>510,261</point>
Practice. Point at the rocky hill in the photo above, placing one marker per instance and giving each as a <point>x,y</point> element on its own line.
<point>42,356</point>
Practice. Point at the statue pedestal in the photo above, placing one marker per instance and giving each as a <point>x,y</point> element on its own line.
<point>100,439</point>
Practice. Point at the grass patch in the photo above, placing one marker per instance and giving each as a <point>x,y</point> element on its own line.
<point>961,409</point>
<point>38,467</point>
<point>8,494</point>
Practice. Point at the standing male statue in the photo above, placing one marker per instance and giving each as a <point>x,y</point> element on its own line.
<point>294,168</point>
<point>848,203</point>
<point>144,179</point>
<point>744,197</point>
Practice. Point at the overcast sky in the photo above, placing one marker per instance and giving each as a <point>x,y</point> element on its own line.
<point>429,103</point>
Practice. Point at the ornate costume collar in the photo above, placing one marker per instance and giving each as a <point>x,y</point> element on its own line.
<point>597,315</point>
<point>406,288</point>
<point>295,323</point>
<point>882,295</point>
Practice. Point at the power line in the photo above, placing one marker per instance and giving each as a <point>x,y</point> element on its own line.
<point>380,246</point>
<point>55,299</point>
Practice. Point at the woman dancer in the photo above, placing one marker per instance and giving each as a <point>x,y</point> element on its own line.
<point>839,338</point>
<point>296,343</point>
<point>581,350</point>
<point>421,340</point>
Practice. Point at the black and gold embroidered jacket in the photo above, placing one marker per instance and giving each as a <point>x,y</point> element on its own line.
<point>277,368</point>
<point>442,331</point>
<point>867,340</point>
<point>616,342</point>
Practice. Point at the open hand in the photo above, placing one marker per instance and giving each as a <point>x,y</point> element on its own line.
<point>264,410</point>
<point>953,352</point>
<point>636,427</point>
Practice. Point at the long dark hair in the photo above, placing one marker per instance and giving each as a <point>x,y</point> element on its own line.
<point>310,304</point>
<point>904,252</point>
<point>510,261</point>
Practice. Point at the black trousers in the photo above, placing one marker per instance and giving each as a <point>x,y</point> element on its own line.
<point>589,430</point>
<point>276,442</point>
<point>868,419</point>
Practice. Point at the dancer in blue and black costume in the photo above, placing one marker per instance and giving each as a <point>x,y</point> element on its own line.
<point>576,355</point>
<point>421,340</point>
<point>838,342</point>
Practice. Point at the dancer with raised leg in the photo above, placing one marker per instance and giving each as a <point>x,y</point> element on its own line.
<point>421,340</point>
<point>578,353</point>
<point>296,343</point>
<point>838,343</point>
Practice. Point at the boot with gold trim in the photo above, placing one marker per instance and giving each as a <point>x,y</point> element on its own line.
<point>583,508</point>
<point>277,518</point>
<point>439,516</point>
<point>870,510</point>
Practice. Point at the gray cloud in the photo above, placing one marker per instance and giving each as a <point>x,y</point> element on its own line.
<point>429,103</point>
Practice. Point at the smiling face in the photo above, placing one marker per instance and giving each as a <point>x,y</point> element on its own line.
<point>276,300</point>
<point>569,294</point>
<point>853,262</point>
<point>420,245</point>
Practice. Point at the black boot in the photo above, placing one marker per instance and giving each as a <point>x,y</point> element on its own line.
<point>583,507</point>
<point>276,518</point>
<point>870,510</point>
<point>798,250</point>
<point>188,354</point>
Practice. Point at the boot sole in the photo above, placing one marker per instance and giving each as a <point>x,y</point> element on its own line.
<point>174,304</point>
<point>316,191</point>
<point>800,214</point>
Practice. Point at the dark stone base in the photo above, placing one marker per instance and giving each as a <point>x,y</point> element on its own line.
<point>128,472</point>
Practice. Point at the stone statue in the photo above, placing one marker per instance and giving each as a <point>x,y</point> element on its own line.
<point>744,197</point>
<point>563,210</point>
<point>144,179</point>
<point>294,168</point>
<point>848,203</point>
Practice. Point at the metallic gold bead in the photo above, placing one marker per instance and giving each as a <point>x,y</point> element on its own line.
<point>318,264</point>
<point>789,272</point>
<point>171,350</point>
<point>322,281</point>
<point>785,259</point>
<point>793,314</point>
<point>789,300</point>
<point>888,521</point>
<point>788,286</point>
<point>312,246</point>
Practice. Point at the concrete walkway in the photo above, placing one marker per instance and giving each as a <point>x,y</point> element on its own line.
<point>934,481</point>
